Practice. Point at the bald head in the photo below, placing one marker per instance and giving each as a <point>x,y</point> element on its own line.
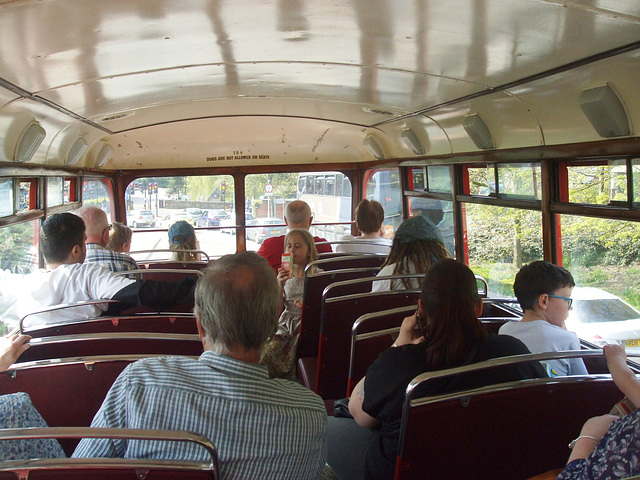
<point>298,215</point>
<point>97,224</point>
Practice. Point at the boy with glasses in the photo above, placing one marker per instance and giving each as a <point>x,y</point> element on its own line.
<point>544,293</point>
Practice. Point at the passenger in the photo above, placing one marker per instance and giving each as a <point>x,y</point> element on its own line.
<point>449,335</point>
<point>608,446</point>
<point>182,237</point>
<point>297,215</point>
<point>279,354</point>
<point>261,427</point>
<point>543,291</point>
<point>97,230</point>
<point>68,279</point>
<point>17,411</point>
<point>369,218</point>
<point>120,238</point>
<point>416,246</point>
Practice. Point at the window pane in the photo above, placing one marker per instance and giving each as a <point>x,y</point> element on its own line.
<point>440,213</point>
<point>384,186</point>
<point>6,197</point>
<point>482,180</point>
<point>54,191</point>
<point>603,257</point>
<point>96,192</point>
<point>500,241</point>
<point>520,180</point>
<point>439,178</point>
<point>635,163</point>
<point>202,201</point>
<point>417,178</point>
<point>598,184</point>
<point>25,195</point>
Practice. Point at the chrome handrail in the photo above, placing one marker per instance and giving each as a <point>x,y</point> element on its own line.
<point>62,306</point>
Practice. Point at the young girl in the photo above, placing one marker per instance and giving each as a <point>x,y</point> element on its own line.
<point>280,352</point>
<point>120,238</point>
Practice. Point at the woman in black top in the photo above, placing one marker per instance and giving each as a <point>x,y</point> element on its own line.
<point>444,333</point>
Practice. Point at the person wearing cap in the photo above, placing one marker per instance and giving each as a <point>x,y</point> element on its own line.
<point>416,246</point>
<point>182,240</point>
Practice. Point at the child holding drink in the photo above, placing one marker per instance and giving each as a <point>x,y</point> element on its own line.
<point>280,352</point>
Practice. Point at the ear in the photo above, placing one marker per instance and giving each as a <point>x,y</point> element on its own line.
<point>310,221</point>
<point>201,332</point>
<point>286,222</point>
<point>421,308</point>
<point>543,301</point>
<point>105,237</point>
<point>479,308</point>
<point>126,246</point>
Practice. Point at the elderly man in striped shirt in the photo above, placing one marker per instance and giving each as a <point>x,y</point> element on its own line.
<point>97,232</point>
<point>262,427</point>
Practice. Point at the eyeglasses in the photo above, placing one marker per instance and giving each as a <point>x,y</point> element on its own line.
<point>569,300</point>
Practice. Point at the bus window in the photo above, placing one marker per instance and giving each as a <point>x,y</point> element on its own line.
<point>6,197</point>
<point>499,241</point>
<point>206,202</point>
<point>440,212</point>
<point>439,179</point>
<point>519,180</point>
<point>55,191</point>
<point>384,187</point>
<point>97,192</point>
<point>27,196</point>
<point>599,183</point>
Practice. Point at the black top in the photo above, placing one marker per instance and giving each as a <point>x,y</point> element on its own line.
<point>388,377</point>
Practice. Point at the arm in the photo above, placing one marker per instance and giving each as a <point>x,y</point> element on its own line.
<point>591,433</point>
<point>12,348</point>
<point>622,375</point>
<point>155,294</point>
<point>409,332</point>
<point>355,407</point>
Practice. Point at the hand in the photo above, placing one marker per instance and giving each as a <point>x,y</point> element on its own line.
<point>615,353</point>
<point>283,276</point>
<point>408,332</point>
<point>12,347</point>
<point>298,303</point>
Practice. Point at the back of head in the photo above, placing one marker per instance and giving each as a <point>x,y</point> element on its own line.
<point>419,242</point>
<point>59,234</point>
<point>182,236</point>
<point>449,299</point>
<point>298,214</point>
<point>369,216</point>
<point>95,220</point>
<point>120,234</point>
<point>237,302</point>
<point>538,278</point>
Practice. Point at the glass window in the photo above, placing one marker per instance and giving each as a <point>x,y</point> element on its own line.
<point>18,248</point>
<point>439,178</point>
<point>55,191</point>
<point>603,258</point>
<point>330,185</point>
<point>520,180</point>
<point>154,204</point>
<point>28,190</point>
<point>500,241</point>
<point>635,165</point>
<point>97,192</point>
<point>598,184</point>
<point>6,197</point>
<point>319,190</point>
<point>482,180</point>
<point>384,186</point>
<point>440,213</point>
<point>417,178</point>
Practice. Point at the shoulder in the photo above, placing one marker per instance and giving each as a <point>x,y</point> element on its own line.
<point>272,243</point>
<point>503,345</point>
<point>326,248</point>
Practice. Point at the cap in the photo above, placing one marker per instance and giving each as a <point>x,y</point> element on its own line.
<point>418,228</point>
<point>180,232</point>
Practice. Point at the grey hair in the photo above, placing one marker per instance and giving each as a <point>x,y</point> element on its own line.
<point>237,302</point>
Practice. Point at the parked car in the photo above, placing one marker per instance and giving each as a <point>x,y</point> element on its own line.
<point>260,229</point>
<point>600,318</point>
<point>211,218</point>
<point>230,222</point>
<point>172,218</point>
<point>194,214</point>
<point>141,218</point>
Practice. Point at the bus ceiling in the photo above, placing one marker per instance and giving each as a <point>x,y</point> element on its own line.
<point>156,84</point>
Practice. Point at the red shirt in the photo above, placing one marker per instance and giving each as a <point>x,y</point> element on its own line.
<point>273,248</point>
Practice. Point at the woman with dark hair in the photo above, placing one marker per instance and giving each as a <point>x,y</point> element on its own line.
<point>444,333</point>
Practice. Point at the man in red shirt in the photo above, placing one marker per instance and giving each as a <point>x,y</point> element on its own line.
<point>296,215</point>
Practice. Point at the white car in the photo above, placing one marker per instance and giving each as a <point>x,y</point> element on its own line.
<point>600,318</point>
<point>141,218</point>
<point>229,222</point>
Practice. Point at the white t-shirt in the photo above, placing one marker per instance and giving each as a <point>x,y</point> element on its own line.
<point>385,285</point>
<point>66,284</point>
<point>541,336</point>
<point>363,245</point>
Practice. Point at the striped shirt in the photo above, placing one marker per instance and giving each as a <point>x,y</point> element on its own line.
<point>114,261</point>
<point>261,427</point>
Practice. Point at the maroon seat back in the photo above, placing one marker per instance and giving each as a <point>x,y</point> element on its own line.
<point>513,431</point>
<point>314,285</point>
<point>338,316</point>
